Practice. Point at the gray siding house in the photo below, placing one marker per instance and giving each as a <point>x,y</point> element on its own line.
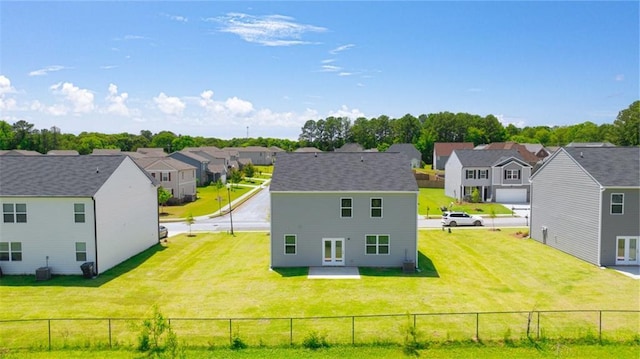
<point>498,175</point>
<point>343,209</point>
<point>586,202</point>
<point>409,151</point>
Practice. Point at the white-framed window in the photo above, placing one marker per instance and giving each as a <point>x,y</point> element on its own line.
<point>81,252</point>
<point>617,203</point>
<point>511,174</point>
<point>14,213</point>
<point>376,207</point>
<point>377,244</point>
<point>483,174</point>
<point>78,212</point>
<point>346,207</point>
<point>166,176</point>
<point>470,174</point>
<point>11,251</point>
<point>290,244</point>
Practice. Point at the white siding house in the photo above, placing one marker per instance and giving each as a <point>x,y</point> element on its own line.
<point>63,211</point>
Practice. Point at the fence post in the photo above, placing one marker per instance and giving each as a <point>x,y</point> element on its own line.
<point>478,326</point>
<point>230,337</point>
<point>109,332</point>
<point>600,326</point>
<point>538,334</point>
<point>291,331</point>
<point>49,329</point>
<point>353,330</point>
<point>414,322</point>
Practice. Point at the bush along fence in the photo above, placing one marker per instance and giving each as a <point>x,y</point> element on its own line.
<point>59,333</point>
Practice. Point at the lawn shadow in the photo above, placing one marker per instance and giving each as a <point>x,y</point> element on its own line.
<point>292,271</point>
<point>78,280</point>
<point>426,269</point>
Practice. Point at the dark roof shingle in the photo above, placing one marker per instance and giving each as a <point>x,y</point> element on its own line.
<point>484,158</point>
<point>55,176</point>
<point>342,171</point>
<point>610,166</point>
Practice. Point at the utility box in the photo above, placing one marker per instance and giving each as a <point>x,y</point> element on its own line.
<point>87,269</point>
<point>408,267</point>
<point>43,273</point>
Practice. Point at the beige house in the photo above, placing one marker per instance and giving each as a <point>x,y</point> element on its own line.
<point>176,176</point>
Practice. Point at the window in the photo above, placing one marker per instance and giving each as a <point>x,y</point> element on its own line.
<point>470,174</point>
<point>78,212</point>
<point>290,244</point>
<point>346,207</point>
<point>483,174</point>
<point>11,251</point>
<point>377,244</point>
<point>81,252</point>
<point>617,203</point>
<point>511,174</point>
<point>166,176</point>
<point>376,207</point>
<point>14,213</point>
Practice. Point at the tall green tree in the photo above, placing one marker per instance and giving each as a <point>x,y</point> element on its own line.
<point>627,126</point>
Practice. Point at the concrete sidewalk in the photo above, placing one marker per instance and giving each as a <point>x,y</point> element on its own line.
<point>333,273</point>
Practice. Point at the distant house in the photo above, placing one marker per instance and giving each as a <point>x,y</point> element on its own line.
<point>63,152</point>
<point>63,211</point>
<point>586,202</point>
<point>19,153</point>
<point>525,154</point>
<point>257,155</point>
<point>211,164</point>
<point>307,149</point>
<point>409,151</point>
<point>591,144</point>
<point>498,175</point>
<point>538,150</point>
<point>350,147</point>
<point>343,209</point>
<point>442,151</point>
<point>177,177</point>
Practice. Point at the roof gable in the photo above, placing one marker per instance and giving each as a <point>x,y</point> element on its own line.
<point>342,171</point>
<point>446,148</point>
<point>56,176</point>
<point>484,158</point>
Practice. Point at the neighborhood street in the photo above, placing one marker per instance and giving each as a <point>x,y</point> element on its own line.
<point>253,215</point>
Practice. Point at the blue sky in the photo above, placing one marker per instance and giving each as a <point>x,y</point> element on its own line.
<point>215,68</point>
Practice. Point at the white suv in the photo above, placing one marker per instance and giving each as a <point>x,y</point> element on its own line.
<point>453,219</point>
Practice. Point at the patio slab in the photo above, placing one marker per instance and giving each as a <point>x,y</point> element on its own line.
<point>333,273</point>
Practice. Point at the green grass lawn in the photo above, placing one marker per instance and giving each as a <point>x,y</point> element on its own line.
<point>220,276</point>
<point>206,203</point>
<point>431,199</point>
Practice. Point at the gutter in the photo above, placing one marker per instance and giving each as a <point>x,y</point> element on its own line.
<point>95,236</point>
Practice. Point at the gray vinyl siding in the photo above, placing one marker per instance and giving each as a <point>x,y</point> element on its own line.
<point>453,177</point>
<point>201,174</point>
<point>440,162</point>
<point>565,200</point>
<point>614,225</point>
<point>314,216</point>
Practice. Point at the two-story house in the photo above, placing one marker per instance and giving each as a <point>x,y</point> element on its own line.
<point>442,151</point>
<point>177,177</point>
<point>498,175</point>
<point>62,211</point>
<point>343,209</point>
<point>409,151</point>
<point>585,201</point>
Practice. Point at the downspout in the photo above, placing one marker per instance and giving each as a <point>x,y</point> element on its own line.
<point>95,236</point>
<point>602,189</point>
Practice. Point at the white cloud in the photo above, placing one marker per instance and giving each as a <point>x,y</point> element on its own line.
<point>46,70</point>
<point>345,74</point>
<point>176,18</point>
<point>341,48</point>
<point>238,106</point>
<point>232,106</point>
<point>619,77</point>
<point>508,120</point>
<point>6,88</point>
<point>328,61</point>
<point>81,100</point>
<point>269,30</point>
<point>108,67</point>
<point>116,102</point>
<point>344,111</point>
<point>5,85</point>
<point>330,68</point>
<point>135,37</point>
<point>169,105</point>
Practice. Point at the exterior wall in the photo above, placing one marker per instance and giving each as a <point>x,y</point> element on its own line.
<point>613,225</point>
<point>498,181</point>
<point>187,186</point>
<point>127,216</point>
<point>201,168</point>
<point>565,201</point>
<point>439,161</point>
<point>172,183</point>
<point>50,231</point>
<point>258,157</point>
<point>321,219</point>
<point>453,177</point>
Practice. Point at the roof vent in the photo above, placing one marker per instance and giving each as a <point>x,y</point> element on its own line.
<point>361,158</point>
<point>581,156</point>
<point>315,154</point>
<point>97,170</point>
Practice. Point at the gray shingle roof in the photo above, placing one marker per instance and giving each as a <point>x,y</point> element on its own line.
<point>55,176</point>
<point>484,158</point>
<point>610,166</point>
<point>342,171</point>
<point>407,148</point>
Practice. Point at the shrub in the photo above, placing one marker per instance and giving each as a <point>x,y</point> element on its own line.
<point>315,341</point>
<point>237,343</point>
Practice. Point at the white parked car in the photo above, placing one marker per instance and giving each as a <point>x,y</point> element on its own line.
<point>453,219</point>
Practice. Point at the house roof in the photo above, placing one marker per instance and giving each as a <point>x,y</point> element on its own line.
<point>56,176</point>
<point>342,171</point>
<point>610,166</point>
<point>591,144</point>
<point>485,158</point>
<point>407,148</point>
<point>446,148</point>
<point>307,149</point>
<point>525,154</point>
<point>350,147</point>
<point>63,152</point>
<point>247,149</point>
<point>19,153</point>
<point>146,162</point>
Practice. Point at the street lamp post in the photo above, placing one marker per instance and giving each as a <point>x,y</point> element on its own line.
<point>230,215</point>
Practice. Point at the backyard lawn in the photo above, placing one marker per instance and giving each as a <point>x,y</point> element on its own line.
<point>431,199</point>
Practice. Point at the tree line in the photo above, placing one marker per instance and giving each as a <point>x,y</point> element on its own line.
<point>333,132</point>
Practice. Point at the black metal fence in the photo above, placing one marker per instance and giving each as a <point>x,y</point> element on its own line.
<point>357,329</point>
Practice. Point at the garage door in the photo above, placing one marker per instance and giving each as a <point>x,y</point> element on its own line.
<point>509,195</point>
